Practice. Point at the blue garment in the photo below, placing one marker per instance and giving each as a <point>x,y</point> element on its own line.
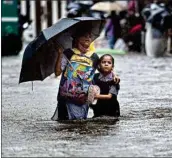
<point>113,30</point>
<point>77,112</point>
<point>109,29</point>
<point>111,41</point>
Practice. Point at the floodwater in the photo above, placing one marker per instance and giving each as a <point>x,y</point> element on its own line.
<point>143,130</point>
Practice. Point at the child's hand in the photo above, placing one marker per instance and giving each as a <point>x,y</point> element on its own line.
<point>116,79</point>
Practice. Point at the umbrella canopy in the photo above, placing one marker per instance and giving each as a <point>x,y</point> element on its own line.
<point>40,56</point>
<point>108,6</point>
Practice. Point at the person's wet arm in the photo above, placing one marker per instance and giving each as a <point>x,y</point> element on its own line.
<point>113,92</point>
<point>103,96</point>
<point>58,68</point>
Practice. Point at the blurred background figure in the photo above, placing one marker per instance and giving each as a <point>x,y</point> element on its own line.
<point>133,27</point>
<point>128,20</point>
<point>124,23</point>
<point>113,29</point>
<point>82,8</point>
<point>158,23</point>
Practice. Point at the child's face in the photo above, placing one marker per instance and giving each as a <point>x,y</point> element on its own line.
<point>84,42</point>
<point>106,64</point>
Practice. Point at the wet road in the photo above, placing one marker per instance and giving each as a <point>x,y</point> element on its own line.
<point>144,128</point>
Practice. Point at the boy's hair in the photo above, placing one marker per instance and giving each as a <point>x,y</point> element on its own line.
<point>101,58</point>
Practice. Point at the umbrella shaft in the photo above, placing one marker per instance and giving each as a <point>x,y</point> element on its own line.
<point>32,85</point>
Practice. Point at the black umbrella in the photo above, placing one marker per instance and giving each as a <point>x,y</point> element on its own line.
<point>41,54</point>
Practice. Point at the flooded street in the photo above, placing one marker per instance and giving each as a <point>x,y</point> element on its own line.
<point>143,130</point>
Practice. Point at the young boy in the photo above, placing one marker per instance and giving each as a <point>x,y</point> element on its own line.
<point>107,103</point>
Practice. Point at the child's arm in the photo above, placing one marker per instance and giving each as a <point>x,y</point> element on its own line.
<point>103,96</point>
<point>112,92</point>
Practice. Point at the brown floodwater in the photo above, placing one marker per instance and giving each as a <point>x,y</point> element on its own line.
<point>144,128</point>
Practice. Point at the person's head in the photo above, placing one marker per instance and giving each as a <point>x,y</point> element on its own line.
<point>82,40</point>
<point>106,64</point>
<point>113,13</point>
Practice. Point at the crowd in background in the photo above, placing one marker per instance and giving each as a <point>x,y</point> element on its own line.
<point>126,26</point>
<point>124,29</point>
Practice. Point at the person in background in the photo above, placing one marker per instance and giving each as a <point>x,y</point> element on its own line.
<point>113,29</point>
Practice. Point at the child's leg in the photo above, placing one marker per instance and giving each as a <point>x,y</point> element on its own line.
<point>114,108</point>
<point>117,109</point>
<point>96,110</point>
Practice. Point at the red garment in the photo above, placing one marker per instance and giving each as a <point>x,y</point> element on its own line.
<point>135,28</point>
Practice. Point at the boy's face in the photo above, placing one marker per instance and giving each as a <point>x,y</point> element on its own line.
<point>84,42</point>
<point>106,64</point>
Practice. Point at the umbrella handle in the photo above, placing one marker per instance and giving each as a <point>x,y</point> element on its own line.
<point>32,85</point>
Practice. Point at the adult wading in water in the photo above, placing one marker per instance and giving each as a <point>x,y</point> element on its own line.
<point>78,66</point>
